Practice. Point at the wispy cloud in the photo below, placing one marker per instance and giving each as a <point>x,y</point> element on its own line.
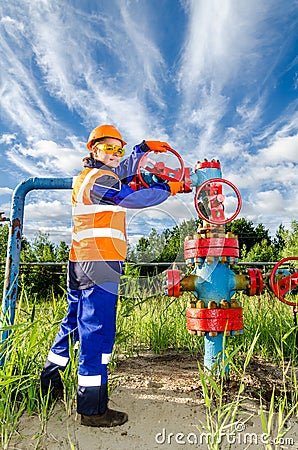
<point>46,158</point>
<point>227,55</point>
<point>64,70</point>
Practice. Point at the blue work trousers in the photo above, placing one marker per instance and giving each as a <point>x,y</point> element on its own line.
<point>91,319</point>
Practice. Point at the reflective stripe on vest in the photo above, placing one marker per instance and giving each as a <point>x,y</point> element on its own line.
<point>99,230</point>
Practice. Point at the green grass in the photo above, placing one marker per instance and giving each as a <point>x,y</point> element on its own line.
<point>156,323</point>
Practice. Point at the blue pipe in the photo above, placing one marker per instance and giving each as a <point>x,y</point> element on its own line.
<point>214,353</point>
<point>214,282</point>
<point>10,289</point>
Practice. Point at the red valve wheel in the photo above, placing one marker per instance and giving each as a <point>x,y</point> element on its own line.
<point>159,169</point>
<point>220,220</point>
<point>281,287</point>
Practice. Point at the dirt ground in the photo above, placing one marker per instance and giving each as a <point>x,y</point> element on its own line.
<point>163,397</point>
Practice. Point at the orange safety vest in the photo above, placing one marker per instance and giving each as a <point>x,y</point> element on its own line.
<point>99,232</point>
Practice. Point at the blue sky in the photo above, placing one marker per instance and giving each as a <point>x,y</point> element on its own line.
<point>216,78</point>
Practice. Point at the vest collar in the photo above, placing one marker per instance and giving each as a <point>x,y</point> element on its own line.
<point>94,164</point>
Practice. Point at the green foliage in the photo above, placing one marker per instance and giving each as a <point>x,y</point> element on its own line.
<point>278,240</point>
<point>40,249</point>
<point>3,241</point>
<point>255,243</point>
<point>248,235</point>
<point>39,280</point>
<point>284,244</point>
<point>62,252</point>
<point>290,240</point>
<point>261,251</point>
<point>157,323</point>
<point>44,280</point>
<point>164,247</point>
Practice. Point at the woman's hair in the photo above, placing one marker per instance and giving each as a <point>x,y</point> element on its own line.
<point>87,158</point>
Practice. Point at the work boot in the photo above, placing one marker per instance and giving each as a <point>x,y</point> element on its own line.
<point>110,418</point>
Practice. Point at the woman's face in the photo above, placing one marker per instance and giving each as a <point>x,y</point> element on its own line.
<point>110,160</point>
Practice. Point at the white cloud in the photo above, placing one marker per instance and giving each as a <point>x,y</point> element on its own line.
<point>221,42</point>
<point>7,138</point>
<point>56,233</point>
<point>49,216</point>
<point>54,210</point>
<point>5,191</point>
<point>269,202</point>
<point>46,158</point>
<point>283,149</point>
<point>134,239</point>
<point>227,76</point>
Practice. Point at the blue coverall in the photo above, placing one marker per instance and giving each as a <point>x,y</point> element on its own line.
<point>93,282</point>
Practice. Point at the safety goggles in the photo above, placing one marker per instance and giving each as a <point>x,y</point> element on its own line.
<point>111,149</point>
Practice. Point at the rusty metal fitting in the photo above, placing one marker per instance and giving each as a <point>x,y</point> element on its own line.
<point>188,283</point>
<point>224,304</point>
<point>237,332</point>
<point>234,303</point>
<point>191,304</point>
<point>3,218</point>
<point>213,333</point>
<point>200,304</point>
<point>212,305</point>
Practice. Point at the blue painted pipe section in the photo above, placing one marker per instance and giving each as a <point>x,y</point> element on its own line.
<point>14,243</point>
<point>200,176</point>
<point>214,282</point>
<point>214,352</point>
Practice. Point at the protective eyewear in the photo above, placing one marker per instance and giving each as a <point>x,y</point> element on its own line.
<point>111,149</point>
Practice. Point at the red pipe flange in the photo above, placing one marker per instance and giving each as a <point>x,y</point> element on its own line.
<point>214,319</point>
<point>201,247</point>
<point>256,281</point>
<point>173,283</point>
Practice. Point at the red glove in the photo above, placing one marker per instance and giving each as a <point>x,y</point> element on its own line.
<point>158,146</point>
<point>176,186</point>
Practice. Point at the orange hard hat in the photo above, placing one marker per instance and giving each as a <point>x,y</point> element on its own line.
<point>104,131</point>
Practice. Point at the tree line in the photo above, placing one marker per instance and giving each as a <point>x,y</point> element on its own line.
<point>38,280</point>
<point>255,244</point>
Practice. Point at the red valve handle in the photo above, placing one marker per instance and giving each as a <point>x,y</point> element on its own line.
<point>220,220</point>
<point>160,169</point>
<point>286,284</point>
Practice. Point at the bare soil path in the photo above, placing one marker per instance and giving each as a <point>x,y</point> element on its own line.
<point>164,399</point>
